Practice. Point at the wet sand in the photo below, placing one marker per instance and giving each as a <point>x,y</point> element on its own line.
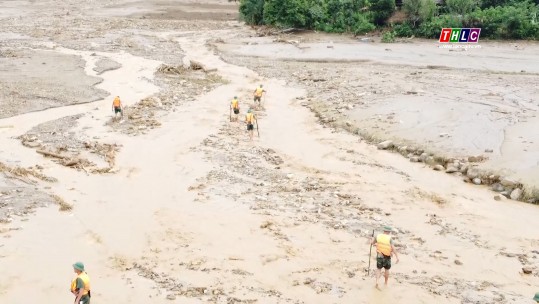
<point>195,212</point>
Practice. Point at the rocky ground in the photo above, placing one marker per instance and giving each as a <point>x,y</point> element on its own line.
<point>335,100</point>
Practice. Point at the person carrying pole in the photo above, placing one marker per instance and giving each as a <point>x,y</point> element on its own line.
<point>384,251</point>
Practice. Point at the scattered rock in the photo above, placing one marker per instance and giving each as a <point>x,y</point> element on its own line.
<point>516,194</point>
<point>414,159</point>
<point>498,197</point>
<point>489,150</point>
<point>497,187</point>
<point>476,181</point>
<point>171,297</point>
<point>473,172</point>
<point>388,144</point>
<point>527,269</point>
<point>457,262</point>
<point>438,168</point>
<point>507,182</point>
<point>451,169</point>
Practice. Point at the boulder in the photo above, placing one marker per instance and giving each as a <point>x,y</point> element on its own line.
<point>451,169</point>
<point>414,159</point>
<point>430,160</point>
<point>473,172</point>
<point>423,157</point>
<point>507,182</point>
<point>516,194</point>
<point>497,187</point>
<point>388,144</point>
<point>438,168</point>
<point>476,181</point>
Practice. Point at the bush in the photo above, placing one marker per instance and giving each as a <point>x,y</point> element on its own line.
<point>381,10</point>
<point>403,30</point>
<point>252,11</point>
<point>517,21</point>
<point>432,29</point>
<point>363,25</point>
<point>388,37</point>
<point>461,7</point>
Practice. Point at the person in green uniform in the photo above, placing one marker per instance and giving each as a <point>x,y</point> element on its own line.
<point>80,286</point>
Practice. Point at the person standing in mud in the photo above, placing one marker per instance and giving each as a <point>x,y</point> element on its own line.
<point>80,286</point>
<point>384,251</point>
<point>117,107</point>
<point>250,120</point>
<point>235,107</point>
<point>258,94</point>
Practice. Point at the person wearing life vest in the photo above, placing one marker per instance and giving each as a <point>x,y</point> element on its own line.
<point>80,286</point>
<point>250,119</point>
<point>117,106</point>
<point>235,106</point>
<point>258,93</point>
<point>384,251</point>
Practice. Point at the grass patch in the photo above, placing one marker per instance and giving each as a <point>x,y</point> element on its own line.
<point>64,206</point>
<point>429,196</point>
<point>531,195</point>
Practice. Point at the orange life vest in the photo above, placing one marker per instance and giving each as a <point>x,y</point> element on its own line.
<point>235,104</point>
<point>85,279</point>
<point>383,244</point>
<point>116,102</point>
<point>258,92</point>
<point>249,118</point>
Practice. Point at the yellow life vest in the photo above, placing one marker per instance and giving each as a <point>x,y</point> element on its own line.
<point>116,102</point>
<point>250,117</point>
<point>383,244</point>
<point>234,103</point>
<point>85,279</point>
<point>258,92</point>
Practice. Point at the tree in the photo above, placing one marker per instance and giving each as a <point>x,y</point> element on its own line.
<point>285,12</point>
<point>419,10</point>
<point>252,11</point>
<point>382,10</point>
<point>461,7</point>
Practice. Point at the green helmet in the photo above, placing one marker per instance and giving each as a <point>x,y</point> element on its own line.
<point>249,111</point>
<point>79,266</point>
<point>261,85</point>
<point>235,97</point>
<point>536,298</point>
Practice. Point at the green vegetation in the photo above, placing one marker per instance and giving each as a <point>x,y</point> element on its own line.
<point>498,19</point>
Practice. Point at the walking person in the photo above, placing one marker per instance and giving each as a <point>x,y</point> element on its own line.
<point>80,286</point>
<point>258,94</point>
<point>117,107</point>
<point>250,120</point>
<point>235,107</point>
<point>384,251</point>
